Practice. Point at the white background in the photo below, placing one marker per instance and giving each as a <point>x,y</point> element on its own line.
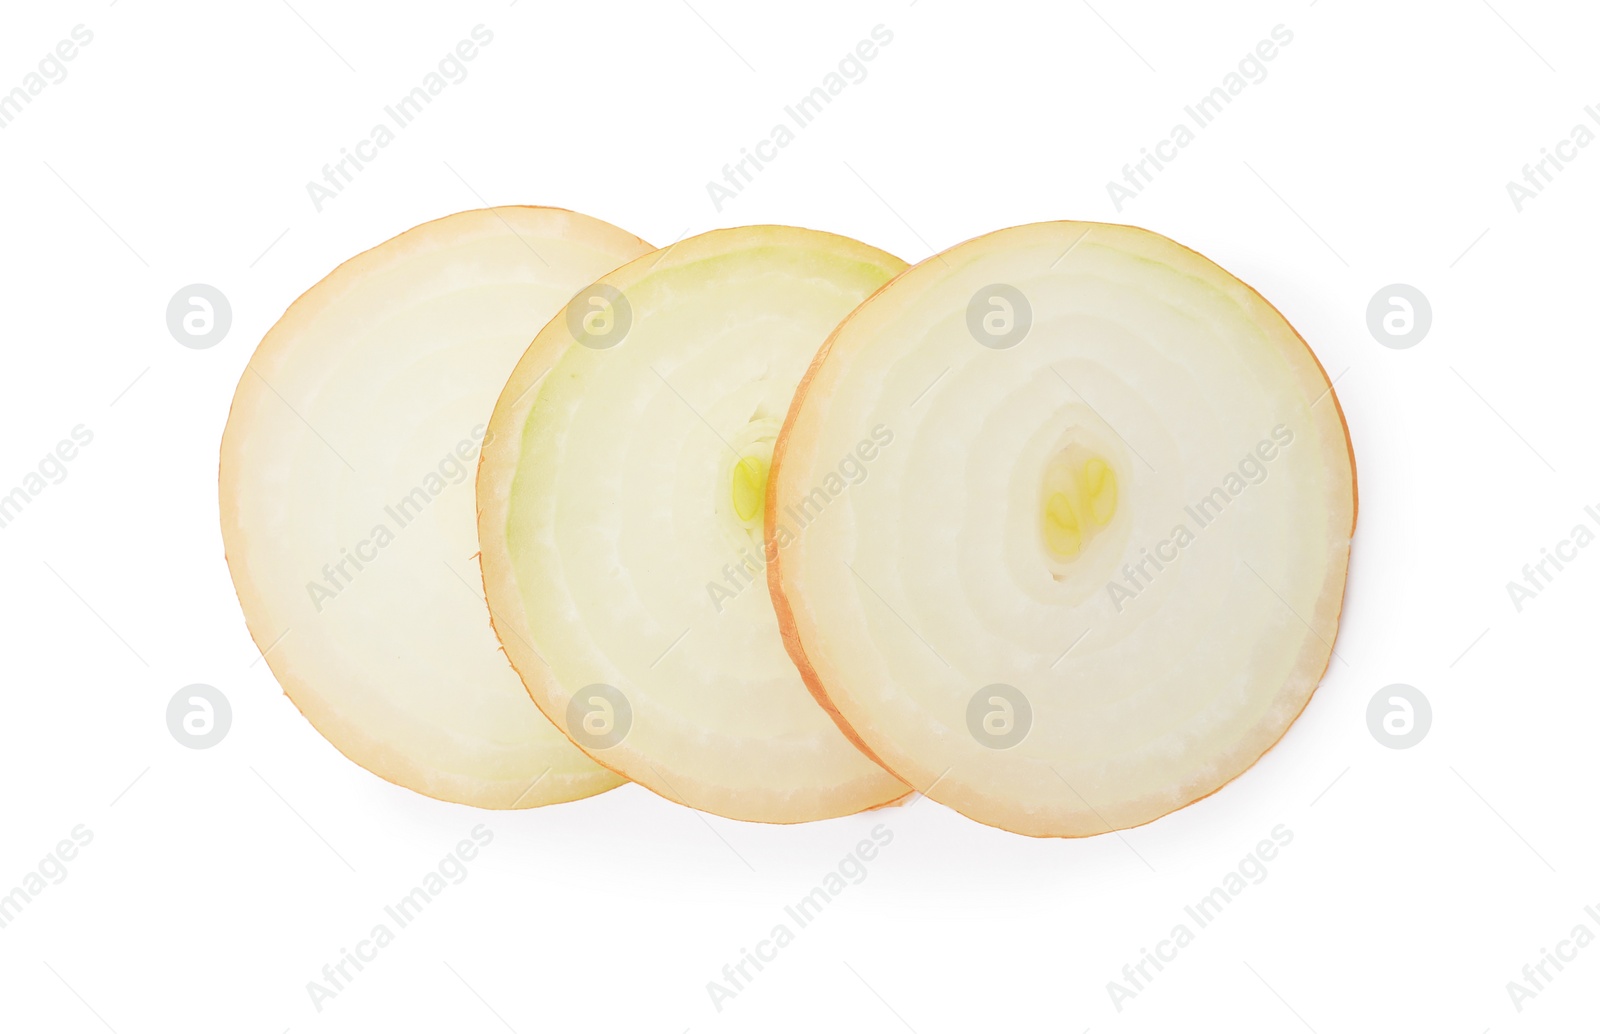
<point>219,882</point>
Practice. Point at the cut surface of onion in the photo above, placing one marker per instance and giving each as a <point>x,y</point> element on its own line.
<point>620,502</point>
<point>1097,570</point>
<point>348,512</point>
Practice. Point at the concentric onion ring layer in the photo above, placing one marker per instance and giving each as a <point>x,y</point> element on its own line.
<point>619,546</point>
<point>348,510</point>
<point>1163,659</point>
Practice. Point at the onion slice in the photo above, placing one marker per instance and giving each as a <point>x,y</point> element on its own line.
<point>347,505</point>
<point>620,500</point>
<point>1099,569</point>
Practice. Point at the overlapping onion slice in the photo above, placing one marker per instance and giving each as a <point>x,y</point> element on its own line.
<point>620,502</point>
<point>348,509</point>
<point>1098,569</point>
